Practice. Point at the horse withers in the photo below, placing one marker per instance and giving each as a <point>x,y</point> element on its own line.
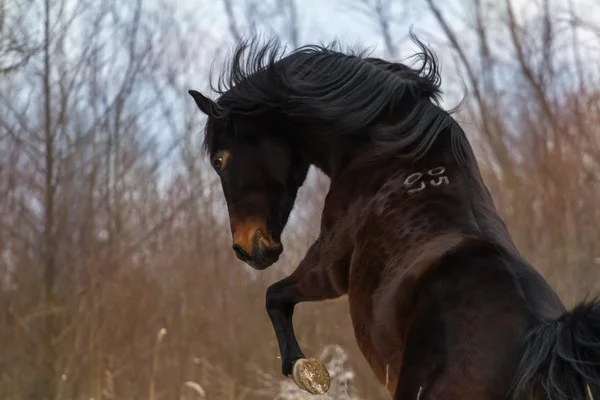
<point>442,303</point>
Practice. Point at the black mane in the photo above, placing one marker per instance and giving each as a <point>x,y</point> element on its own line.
<point>346,90</point>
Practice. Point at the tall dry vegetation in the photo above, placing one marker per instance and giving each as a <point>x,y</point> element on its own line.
<point>532,73</point>
<point>117,279</point>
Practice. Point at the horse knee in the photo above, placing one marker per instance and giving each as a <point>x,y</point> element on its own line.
<point>273,296</point>
<point>280,296</point>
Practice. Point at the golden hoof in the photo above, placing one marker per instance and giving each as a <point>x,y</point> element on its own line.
<point>311,375</point>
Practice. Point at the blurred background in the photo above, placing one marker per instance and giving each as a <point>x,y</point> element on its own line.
<point>117,279</point>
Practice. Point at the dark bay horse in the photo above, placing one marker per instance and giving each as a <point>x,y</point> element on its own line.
<point>442,303</point>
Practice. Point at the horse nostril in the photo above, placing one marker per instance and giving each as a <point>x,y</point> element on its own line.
<point>240,253</point>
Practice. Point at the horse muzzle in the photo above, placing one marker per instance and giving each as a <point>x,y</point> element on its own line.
<point>260,252</point>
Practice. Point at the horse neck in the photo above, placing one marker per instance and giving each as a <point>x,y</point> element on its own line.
<point>329,153</point>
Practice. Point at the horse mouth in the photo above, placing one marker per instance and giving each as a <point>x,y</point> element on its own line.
<point>265,252</point>
<point>261,264</point>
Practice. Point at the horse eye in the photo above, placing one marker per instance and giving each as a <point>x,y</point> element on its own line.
<point>218,162</point>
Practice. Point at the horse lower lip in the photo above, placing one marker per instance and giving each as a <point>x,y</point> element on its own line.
<point>267,258</point>
<point>265,253</point>
<point>264,258</point>
<point>260,265</point>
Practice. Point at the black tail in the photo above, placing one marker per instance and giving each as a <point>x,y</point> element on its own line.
<point>562,357</point>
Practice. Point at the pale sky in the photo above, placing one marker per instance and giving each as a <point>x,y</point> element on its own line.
<point>326,20</point>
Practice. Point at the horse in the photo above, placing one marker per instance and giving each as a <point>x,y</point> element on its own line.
<point>442,304</point>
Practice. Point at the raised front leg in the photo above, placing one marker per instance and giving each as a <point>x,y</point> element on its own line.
<point>318,277</point>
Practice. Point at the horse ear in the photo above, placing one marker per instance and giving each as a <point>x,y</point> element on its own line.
<point>204,103</point>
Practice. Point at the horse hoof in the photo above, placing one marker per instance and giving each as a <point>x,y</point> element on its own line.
<point>310,375</point>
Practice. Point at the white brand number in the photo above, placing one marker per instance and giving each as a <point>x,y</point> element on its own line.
<point>414,184</point>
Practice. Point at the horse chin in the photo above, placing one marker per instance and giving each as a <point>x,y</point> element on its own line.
<point>260,265</point>
<point>265,256</point>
